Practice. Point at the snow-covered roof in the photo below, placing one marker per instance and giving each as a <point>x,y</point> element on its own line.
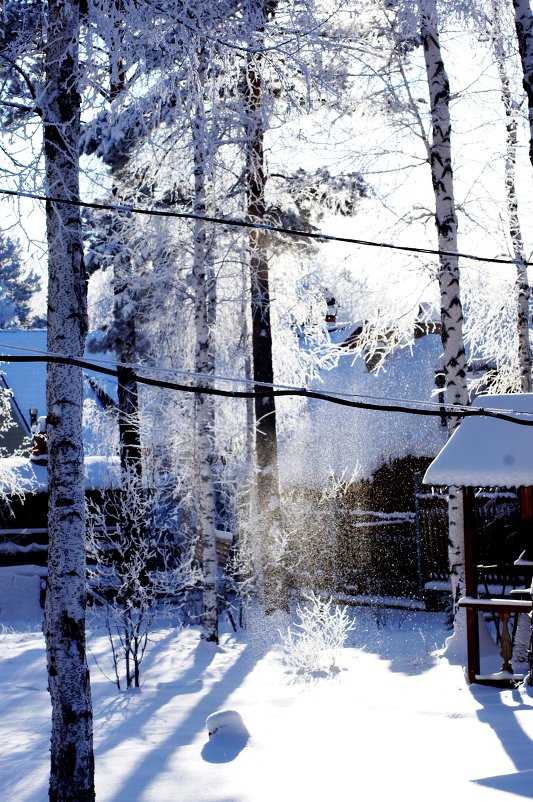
<point>22,475</point>
<point>345,441</point>
<point>27,380</point>
<point>486,452</point>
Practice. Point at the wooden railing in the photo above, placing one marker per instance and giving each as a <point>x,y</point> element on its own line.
<point>504,609</point>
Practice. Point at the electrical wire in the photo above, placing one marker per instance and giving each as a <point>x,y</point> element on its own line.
<point>445,411</point>
<point>248,224</point>
<point>132,366</point>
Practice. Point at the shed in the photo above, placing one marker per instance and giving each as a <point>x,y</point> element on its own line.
<point>491,452</point>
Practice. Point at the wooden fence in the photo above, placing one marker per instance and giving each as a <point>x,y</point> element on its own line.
<point>374,553</point>
<point>406,554</point>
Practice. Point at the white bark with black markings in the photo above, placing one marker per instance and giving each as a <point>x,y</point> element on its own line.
<point>522,278</point>
<point>454,358</point>
<point>72,763</point>
<point>204,319</point>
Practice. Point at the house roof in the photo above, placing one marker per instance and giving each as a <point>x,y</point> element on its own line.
<point>21,475</point>
<point>27,381</point>
<point>486,452</point>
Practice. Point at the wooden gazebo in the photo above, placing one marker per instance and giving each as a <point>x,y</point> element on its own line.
<point>492,452</point>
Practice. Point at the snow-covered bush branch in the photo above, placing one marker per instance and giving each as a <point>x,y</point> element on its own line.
<point>314,641</point>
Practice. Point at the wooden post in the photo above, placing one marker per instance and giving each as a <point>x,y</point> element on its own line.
<point>468,535</point>
<point>472,620</point>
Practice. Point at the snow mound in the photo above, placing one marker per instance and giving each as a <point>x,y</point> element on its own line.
<point>228,720</point>
<point>228,736</point>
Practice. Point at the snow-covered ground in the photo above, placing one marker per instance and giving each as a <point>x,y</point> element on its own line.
<point>395,721</point>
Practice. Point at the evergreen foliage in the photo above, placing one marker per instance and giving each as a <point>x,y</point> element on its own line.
<point>17,287</point>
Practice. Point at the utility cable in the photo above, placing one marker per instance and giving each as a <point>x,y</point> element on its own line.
<point>248,224</point>
<point>132,366</point>
<point>447,410</point>
<point>189,374</point>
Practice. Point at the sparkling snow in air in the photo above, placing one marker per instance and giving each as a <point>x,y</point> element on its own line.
<point>395,719</point>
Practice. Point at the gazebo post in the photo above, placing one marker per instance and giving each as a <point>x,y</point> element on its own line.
<point>472,622</point>
<point>470,588</point>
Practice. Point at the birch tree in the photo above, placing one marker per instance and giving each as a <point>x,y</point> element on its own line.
<point>40,94</point>
<point>407,26</point>
<point>515,232</point>
<point>524,34</point>
<point>72,762</point>
<point>204,319</point>
<point>454,357</point>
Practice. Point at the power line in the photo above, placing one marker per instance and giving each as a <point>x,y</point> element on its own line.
<point>212,377</point>
<point>132,366</point>
<point>447,410</point>
<point>236,223</point>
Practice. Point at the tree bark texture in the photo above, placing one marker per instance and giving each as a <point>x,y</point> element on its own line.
<point>72,763</point>
<point>454,358</point>
<point>524,35</point>
<point>127,355</point>
<point>204,319</point>
<point>522,278</point>
<point>263,370</point>
<point>445,214</point>
<point>125,307</point>
<point>272,574</point>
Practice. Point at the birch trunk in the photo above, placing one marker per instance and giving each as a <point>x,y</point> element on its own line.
<point>454,358</point>
<point>72,763</point>
<point>204,311</point>
<point>124,310</point>
<point>524,35</point>
<point>522,279</point>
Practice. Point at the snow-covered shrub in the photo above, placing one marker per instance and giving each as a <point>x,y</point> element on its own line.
<point>140,568</point>
<point>313,642</point>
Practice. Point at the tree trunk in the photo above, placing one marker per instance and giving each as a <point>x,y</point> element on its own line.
<point>263,370</point>
<point>125,308</point>
<point>274,589</point>
<point>127,354</point>
<point>72,762</point>
<point>454,358</point>
<point>204,311</point>
<point>524,35</point>
<point>522,279</point>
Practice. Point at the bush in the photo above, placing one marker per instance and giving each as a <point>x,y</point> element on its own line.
<point>312,644</point>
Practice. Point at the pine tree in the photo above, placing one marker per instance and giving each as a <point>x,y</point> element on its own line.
<point>17,286</point>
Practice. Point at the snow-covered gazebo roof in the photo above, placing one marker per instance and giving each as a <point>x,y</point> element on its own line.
<point>487,452</point>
